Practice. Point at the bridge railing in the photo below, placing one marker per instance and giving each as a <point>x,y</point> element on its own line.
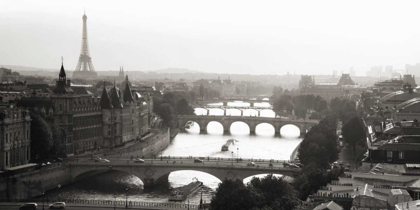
<point>129,203</point>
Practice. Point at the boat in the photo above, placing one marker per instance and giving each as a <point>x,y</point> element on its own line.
<point>182,193</point>
<point>189,124</point>
<point>228,143</point>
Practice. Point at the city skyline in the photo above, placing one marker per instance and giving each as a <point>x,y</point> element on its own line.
<point>233,37</point>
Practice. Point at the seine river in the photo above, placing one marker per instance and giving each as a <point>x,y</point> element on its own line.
<point>264,144</point>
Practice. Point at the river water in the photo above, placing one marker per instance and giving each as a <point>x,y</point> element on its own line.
<point>264,144</point>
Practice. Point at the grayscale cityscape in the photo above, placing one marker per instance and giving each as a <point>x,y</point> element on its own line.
<point>218,105</point>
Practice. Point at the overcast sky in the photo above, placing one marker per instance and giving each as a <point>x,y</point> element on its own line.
<point>255,37</point>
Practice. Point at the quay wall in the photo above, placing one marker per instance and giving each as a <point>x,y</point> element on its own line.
<point>34,183</point>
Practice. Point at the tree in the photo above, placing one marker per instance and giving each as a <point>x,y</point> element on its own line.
<point>59,137</point>
<point>202,91</point>
<point>166,112</point>
<point>41,137</point>
<point>233,195</point>
<point>184,108</point>
<point>275,193</point>
<point>354,133</point>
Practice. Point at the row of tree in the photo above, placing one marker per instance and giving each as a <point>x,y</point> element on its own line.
<point>268,193</point>
<point>300,104</point>
<point>47,138</point>
<point>171,104</point>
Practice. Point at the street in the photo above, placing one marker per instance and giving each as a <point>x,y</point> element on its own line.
<point>73,207</point>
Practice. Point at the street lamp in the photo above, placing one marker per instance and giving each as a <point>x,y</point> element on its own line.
<point>126,197</point>
<point>115,202</point>
<point>43,193</point>
<point>59,195</point>
<point>237,155</point>
<point>160,153</point>
<point>77,155</point>
<point>188,204</point>
<point>232,157</point>
<point>152,156</point>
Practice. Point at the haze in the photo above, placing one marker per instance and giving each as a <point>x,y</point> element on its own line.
<point>255,37</point>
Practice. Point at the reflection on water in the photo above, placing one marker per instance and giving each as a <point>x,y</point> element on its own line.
<point>264,144</point>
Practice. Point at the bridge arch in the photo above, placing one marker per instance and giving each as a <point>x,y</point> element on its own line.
<point>229,126</point>
<point>291,128</point>
<point>205,128</point>
<point>265,123</point>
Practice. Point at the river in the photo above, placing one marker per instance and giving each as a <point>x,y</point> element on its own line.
<point>264,144</point>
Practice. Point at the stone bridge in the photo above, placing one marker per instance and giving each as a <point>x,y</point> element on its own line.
<point>226,101</point>
<point>157,173</point>
<point>252,122</point>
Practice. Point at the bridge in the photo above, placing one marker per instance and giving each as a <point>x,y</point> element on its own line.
<point>226,101</point>
<point>252,122</point>
<point>156,171</point>
<point>225,108</point>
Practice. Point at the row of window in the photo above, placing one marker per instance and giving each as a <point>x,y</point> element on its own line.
<point>15,135</point>
<point>389,155</point>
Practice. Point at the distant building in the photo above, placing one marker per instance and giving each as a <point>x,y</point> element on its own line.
<point>327,91</point>
<point>125,115</point>
<point>375,71</point>
<point>410,79</point>
<point>15,141</point>
<point>308,80</point>
<point>345,79</point>
<point>413,69</point>
<point>389,86</point>
<point>352,72</point>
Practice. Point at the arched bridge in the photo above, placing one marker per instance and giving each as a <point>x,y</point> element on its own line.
<point>158,171</point>
<point>252,122</point>
<point>226,101</point>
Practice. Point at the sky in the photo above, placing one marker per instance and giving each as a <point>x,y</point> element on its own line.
<point>237,37</point>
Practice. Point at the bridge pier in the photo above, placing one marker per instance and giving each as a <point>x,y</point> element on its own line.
<point>242,112</point>
<point>251,104</point>
<point>225,103</point>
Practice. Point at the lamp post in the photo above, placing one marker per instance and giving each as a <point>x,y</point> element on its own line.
<point>77,155</point>
<point>115,202</point>
<point>152,156</point>
<point>43,193</point>
<point>160,153</point>
<point>188,204</point>
<point>59,195</point>
<point>232,157</point>
<point>237,155</point>
<point>126,197</point>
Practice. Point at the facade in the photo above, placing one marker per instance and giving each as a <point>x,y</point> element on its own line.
<point>124,115</point>
<point>389,86</point>
<point>15,140</point>
<point>401,149</point>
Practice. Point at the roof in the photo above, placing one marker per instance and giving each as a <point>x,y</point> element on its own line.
<point>115,98</point>
<point>127,96</point>
<point>400,96</point>
<point>330,205</point>
<point>105,101</point>
<point>407,103</point>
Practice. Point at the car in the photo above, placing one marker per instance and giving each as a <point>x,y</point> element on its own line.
<point>29,206</point>
<point>251,164</point>
<point>198,160</point>
<point>104,161</point>
<point>58,205</point>
<point>97,159</point>
<point>138,160</point>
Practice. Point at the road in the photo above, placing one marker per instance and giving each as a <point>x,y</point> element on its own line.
<point>190,161</point>
<point>11,206</point>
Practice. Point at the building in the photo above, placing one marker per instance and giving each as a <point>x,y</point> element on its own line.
<point>401,149</point>
<point>410,79</point>
<point>389,86</point>
<point>345,79</point>
<point>125,115</point>
<point>15,139</point>
<point>308,80</point>
<point>328,206</point>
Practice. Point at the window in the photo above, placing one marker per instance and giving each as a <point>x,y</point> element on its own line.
<point>389,155</point>
<point>416,195</point>
<point>61,107</point>
<point>401,155</point>
<point>7,158</point>
<point>7,138</point>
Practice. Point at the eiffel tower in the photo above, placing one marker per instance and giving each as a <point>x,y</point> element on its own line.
<point>84,68</point>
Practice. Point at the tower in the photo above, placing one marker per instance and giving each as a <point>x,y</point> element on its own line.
<point>84,68</point>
